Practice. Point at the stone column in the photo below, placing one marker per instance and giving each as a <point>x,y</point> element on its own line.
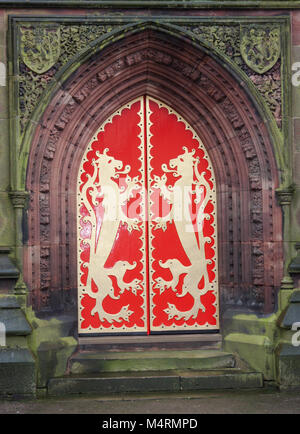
<point>19,201</point>
<point>284,197</point>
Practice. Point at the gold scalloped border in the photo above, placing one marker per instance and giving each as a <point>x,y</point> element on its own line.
<point>81,287</point>
<point>215,283</point>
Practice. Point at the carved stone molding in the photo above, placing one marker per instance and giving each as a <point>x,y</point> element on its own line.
<point>287,283</point>
<point>47,48</point>
<point>19,198</point>
<point>233,41</point>
<point>146,4</point>
<point>44,51</point>
<point>219,110</point>
<point>285,196</point>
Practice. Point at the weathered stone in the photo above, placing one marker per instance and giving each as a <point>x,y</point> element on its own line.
<point>149,361</point>
<point>294,267</point>
<point>4,149</point>
<point>9,302</point>
<point>15,322</point>
<point>168,381</point>
<point>295,297</point>
<point>117,384</point>
<point>53,358</point>
<point>6,218</point>
<point>224,380</point>
<point>291,316</point>
<point>256,350</point>
<point>7,268</point>
<point>8,271</point>
<point>17,372</point>
<point>289,365</point>
<point>52,343</point>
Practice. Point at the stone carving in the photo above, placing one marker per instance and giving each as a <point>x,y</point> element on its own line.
<point>215,93</point>
<point>122,63</point>
<point>269,85</point>
<point>241,120</point>
<point>31,87</point>
<point>36,70</point>
<point>232,114</point>
<point>41,60</point>
<point>285,196</point>
<point>227,40</point>
<point>19,198</point>
<point>40,47</point>
<point>260,46</point>
<point>75,38</point>
<point>224,38</point>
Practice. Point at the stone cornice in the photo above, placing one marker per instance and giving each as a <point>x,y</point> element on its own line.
<point>161,4</point>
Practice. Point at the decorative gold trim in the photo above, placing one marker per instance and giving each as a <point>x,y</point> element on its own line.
<point>124,313</point>
<point>212,286</point>
<point>145,142</point>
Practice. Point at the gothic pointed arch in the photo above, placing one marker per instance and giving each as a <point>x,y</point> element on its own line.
<point>217,107</point>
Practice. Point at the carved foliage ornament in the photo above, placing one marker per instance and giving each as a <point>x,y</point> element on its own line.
<point>40,47</point>
<point>260,46</point>
<point>46,48</point>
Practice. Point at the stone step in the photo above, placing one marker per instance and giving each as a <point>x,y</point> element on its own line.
<point>147,382</point>
<point>163,360</point>
<point>152,342</point>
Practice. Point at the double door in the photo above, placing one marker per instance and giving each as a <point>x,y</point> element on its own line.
<point>146,226</point>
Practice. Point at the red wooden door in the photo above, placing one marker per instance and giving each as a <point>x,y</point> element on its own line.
<point>147,235</point>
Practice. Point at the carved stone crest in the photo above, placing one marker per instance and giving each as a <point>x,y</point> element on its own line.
<point>40,47</point>
<point>260,46</point>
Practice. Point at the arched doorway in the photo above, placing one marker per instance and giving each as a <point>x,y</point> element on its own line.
<point>218,108</point>
<point>147,231</point>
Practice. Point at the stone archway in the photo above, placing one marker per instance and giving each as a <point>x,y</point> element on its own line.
<point>221,112</point>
